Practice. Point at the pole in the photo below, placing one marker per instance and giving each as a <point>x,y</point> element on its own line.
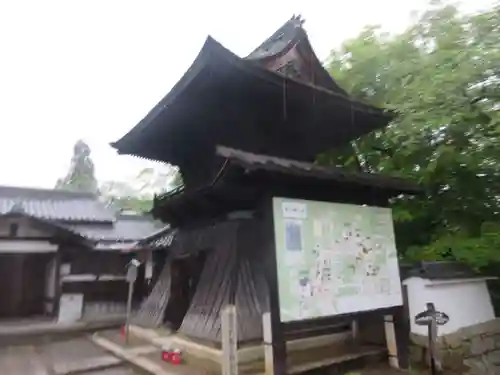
<point>129,310</point>
<point>432,333</point>
<point>229,330</point>
<point>431,350</point>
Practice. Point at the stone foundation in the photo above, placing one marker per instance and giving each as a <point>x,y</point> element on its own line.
<point>473,350</point>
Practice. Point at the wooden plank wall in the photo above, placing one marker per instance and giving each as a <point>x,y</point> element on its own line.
<point>231,275</point>
<point>151,312</point>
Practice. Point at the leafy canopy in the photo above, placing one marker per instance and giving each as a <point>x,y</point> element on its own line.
<point>81,174</point>
<point>442,76</point>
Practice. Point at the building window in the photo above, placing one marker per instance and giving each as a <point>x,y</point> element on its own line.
<point>13,229</point>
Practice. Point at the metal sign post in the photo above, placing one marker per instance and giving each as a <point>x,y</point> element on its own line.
<point>432,319</point>
<point>132,268</point>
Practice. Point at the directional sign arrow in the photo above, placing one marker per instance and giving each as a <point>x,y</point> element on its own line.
<point>426,317</point>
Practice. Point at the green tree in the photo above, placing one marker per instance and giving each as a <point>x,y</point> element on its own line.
<point>122,196</point>
<point>137,195</point>
<point>442,77</point>
<point>81,174</point>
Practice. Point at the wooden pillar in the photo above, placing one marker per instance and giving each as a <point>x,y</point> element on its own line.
<point>229,328</point>
<point>16,284</point>
<point>58,284</point>
<point>355,330</point>
<point>51,270</point>
<point>397,339</point>
<point>271,273</point>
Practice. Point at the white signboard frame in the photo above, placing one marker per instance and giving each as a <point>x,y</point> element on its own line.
<point>334,258</point>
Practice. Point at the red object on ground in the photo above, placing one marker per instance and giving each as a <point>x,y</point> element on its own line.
<point>165,356</point>
<point>171,356</point>
<point>175,357</point>
<point>122,331</point>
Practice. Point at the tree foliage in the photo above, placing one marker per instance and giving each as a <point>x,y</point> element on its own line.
<point>137,195</point>
<point>442,77</point>
<point>81,174</point>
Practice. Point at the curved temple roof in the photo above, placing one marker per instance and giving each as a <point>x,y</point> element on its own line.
<point>289,51</point>
<point>320,114</point>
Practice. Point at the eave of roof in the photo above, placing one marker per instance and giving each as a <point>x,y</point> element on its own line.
<point>214,54</point>
<point>442,270</point>
<point>279,165</point>
<point>293,36</point>
<point>59,229</point>
<point>126,228</point>
<point>247,178</point>
<point>54,204</point>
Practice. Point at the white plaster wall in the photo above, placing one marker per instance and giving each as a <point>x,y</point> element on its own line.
<point>24,229</point>
<point>466,302</point>
<point>26,247</point>
<point>50,284</point>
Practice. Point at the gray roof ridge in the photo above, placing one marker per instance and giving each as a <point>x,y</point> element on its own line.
<point>130,216</point>
<point>35,192</point>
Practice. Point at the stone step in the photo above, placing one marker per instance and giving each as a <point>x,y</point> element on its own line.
<point>89,364</point>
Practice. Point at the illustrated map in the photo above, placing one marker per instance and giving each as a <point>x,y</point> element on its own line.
<point>334,258</point>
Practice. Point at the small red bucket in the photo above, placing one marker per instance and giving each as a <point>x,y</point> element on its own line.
<point>165,356</point>
<point>171,356</point>
<point>176,357</point>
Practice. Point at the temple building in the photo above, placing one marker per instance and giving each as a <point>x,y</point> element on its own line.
<point>63,255</point>
<point>242,131</point>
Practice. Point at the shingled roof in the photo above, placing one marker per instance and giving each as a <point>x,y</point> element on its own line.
<point>289,52</point>
<point>73,212</point>
<point>126,228</point>
<point>251,161</point>
<point>158,240</point>
<point>53,204</point>
<point>442,270</point>
<point>285,116</point>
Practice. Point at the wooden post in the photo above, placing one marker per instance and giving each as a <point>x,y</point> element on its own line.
<point>131,277</point>
<point>268,344</point>
<point>390,339</point>
<point>57,284</point>
<point>229,330</point>
<point>129,310</point>
<point>355,330</point>
<point>398,339</point>
<point>271,273</point>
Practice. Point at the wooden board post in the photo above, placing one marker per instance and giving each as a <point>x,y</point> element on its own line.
<point>278,343</point>
<point>229,330</point>
<point>390,339</point>
<point>268,344</point>
<point>398,339</point>
<point>355,330</point>
<point>131,277</point>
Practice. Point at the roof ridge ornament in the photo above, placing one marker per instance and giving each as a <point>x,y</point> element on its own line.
<point>297,20</point>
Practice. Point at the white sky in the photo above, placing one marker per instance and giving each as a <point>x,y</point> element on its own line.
<point>91,69</point>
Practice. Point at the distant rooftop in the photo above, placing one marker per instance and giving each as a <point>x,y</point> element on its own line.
<point>53,204</point>
<point>80,213</point>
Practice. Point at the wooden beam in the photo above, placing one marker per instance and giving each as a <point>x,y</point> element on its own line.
<point>397,336</point>
<point>279,353</point>
<point>229,328</point>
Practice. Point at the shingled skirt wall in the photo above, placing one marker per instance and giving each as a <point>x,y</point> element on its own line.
<point>232,274</point>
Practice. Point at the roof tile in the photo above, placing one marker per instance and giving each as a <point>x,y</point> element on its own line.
<point>126,228</point>
<point>57,205</point>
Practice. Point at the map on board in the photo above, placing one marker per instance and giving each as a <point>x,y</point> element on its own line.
<point>334,258</point>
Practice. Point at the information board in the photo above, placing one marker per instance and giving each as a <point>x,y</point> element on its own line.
<point>334,258</point>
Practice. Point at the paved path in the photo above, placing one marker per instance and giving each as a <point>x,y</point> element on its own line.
<point>61,358</point>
